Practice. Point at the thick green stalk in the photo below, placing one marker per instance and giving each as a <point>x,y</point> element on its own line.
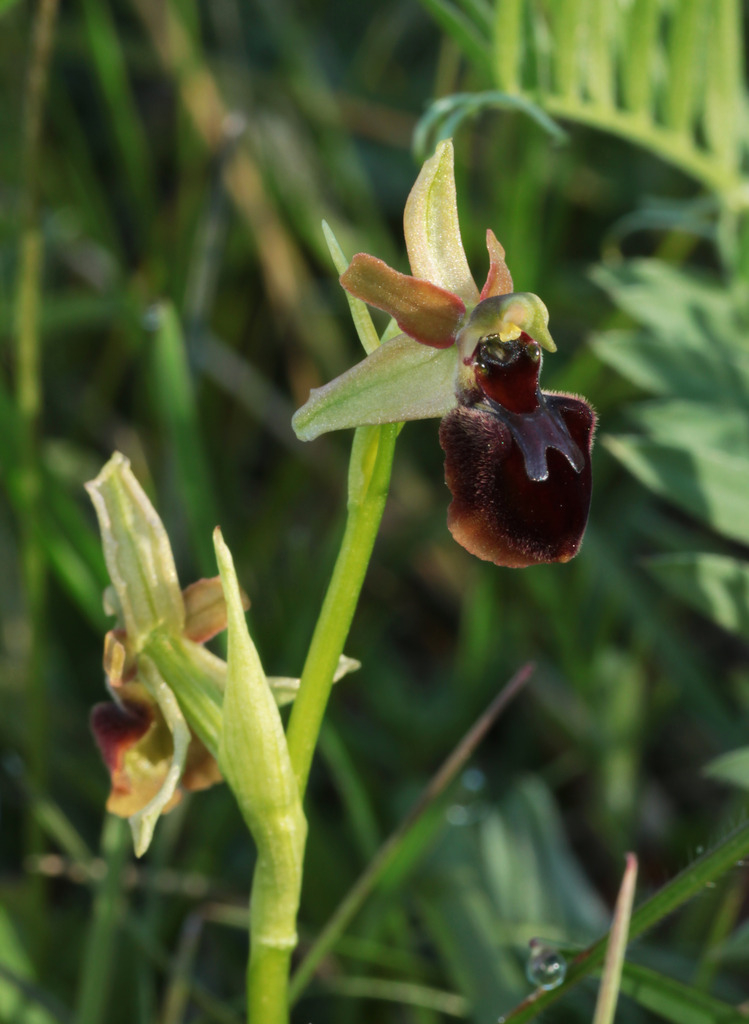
<point>369,479</point>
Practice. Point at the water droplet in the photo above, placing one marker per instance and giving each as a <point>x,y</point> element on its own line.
<point>501,1020</point>
<point>473,779</point>
<point>710,885</point>
<point>546,967</point>
<point>700,850</point>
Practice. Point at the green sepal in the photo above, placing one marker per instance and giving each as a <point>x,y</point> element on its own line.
<point>137,552</point>
<point>401,380</point>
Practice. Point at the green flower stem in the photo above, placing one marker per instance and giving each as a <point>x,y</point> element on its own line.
<point>369,480</point>
<point>705,870</point>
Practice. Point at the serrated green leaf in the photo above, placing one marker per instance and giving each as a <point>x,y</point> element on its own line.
<point>732,767</point>
<point>686,64</point>
<point>674,1001</point>
<point>693,424</point>
<point>706,483</point>
<point>715,585</point>
<point>693,369</point>
<point>673,302</point>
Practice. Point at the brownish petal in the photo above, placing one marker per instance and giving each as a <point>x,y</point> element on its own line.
<point>136,747</point>
<point>498,513</point>
<point>205,609</point>
<point>424,311</point>
<point>499,279</point>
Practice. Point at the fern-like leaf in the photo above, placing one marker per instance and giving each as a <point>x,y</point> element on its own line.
<point>666,76</point>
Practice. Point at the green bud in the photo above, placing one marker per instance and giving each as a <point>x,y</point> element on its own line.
<point>253,755</point>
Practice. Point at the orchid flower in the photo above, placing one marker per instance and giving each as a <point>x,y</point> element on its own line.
<point>160,734</point>
<point>517,459</point>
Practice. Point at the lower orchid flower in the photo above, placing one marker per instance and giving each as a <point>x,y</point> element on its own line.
<point>517,459</point>
<point>160,734</point>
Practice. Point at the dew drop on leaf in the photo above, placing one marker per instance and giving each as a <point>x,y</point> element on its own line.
<point>546,967</point>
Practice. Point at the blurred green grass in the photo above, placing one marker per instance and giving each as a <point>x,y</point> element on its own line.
<point>187,304</point>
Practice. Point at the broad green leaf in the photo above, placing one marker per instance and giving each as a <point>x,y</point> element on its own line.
<point>694,424</point>
<point>689,367</point>
<point>401,380</point>
<point>526,840</point>
<point>674,1001</point>
<point>732,767</point>
<point>711,486</point>
<point>715,585</point>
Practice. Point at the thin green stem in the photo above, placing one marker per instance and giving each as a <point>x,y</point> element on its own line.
<point>369,479</point>
<point>677,892</point>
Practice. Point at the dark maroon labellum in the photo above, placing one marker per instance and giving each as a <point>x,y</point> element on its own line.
<point>517,461</point>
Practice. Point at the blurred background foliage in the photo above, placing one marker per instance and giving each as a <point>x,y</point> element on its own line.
<point>186,305</point>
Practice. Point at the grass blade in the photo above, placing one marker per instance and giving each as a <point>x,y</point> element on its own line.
<point>99,955</point>
<point>456,25</point>
<point>674,1001</point>
<point>608,994</point>
<point>689,883</point>
<point>123,119</point>
<point>175,398</point>
<point>387,853</point>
